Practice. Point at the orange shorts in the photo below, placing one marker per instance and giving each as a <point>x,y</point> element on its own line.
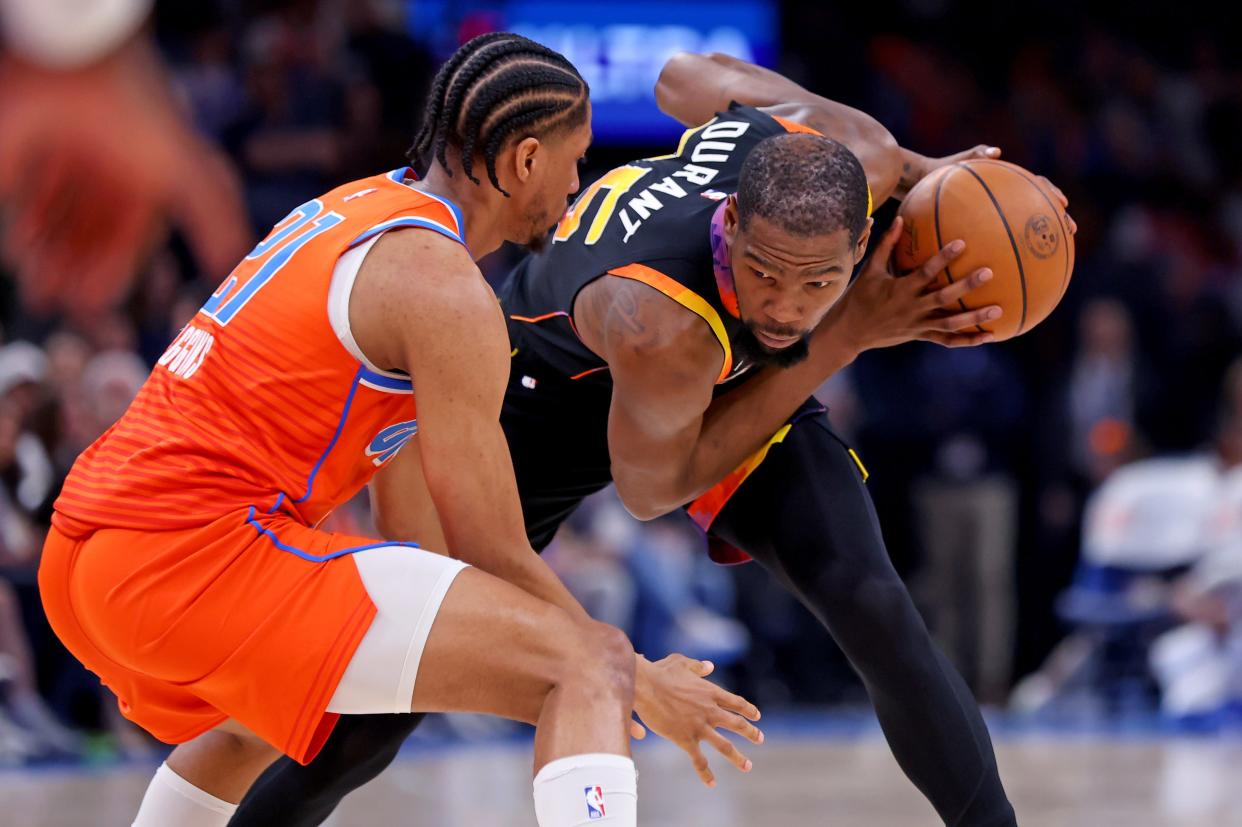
<point>251,617</point>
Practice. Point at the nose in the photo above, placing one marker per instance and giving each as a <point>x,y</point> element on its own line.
<point>783,308</point>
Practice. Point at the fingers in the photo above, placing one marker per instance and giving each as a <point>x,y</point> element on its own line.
<point>958,339</point>
<point>699,760</point>
<point>985,151</point>
<point>883,253</point>
<point>637,731</point>
<point>741,726</point>
<point>951,294</point>
<point>1055,191</point>
<point>932,268</point>
<point>702,668</point>
<point>729,750</point>
<point>1073,225</point>
<point>964,321</point>
<point>736,703</point>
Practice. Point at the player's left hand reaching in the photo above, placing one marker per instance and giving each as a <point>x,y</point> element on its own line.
<point>674,699</point>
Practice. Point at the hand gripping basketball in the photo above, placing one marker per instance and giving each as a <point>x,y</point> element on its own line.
<point>882,309</point>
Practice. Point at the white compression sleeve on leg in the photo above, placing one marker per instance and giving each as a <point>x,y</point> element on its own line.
<point>584,790</point>
<point>170,799</point>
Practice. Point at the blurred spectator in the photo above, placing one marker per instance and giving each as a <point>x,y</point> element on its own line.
<point>967,504</point>
<point>1103,395</point>
<point>95,158</point>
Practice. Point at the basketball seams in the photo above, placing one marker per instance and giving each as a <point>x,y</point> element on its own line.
<point>940,241</point>
<point>1013,242</point>
<point>1056,211</point>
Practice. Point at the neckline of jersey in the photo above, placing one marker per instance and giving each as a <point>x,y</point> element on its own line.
<point>402,176</point>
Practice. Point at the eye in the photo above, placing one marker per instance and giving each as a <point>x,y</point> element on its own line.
<point>818,285</point>
<point>762,276</point>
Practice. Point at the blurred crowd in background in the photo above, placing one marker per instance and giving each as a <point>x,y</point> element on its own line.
<point>1037,563</point>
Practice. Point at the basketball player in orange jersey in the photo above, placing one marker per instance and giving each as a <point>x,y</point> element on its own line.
<point>184,566</point>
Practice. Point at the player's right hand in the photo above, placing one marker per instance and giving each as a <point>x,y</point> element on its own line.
<point>674,699</point>
<point>882,309</point>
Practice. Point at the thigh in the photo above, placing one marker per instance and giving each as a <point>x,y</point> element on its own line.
<point>805,515</point>
<point>495,649</point>
<point>805,509</point>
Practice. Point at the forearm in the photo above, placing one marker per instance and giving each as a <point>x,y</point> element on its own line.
<point>736,425</point>
<point>692,88</point>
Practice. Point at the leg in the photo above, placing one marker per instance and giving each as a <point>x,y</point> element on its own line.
<point>202,781</point>
<point>573,679</point>
<point>292,795</point>
<point>806,516</point>
<point>533,656</point>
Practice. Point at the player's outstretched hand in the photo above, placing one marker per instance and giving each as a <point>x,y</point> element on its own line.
<point>674,699</point>
<point>882,309</point>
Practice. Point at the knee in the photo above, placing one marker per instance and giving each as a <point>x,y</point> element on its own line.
<point>601,656</point>
<point>242,750</point>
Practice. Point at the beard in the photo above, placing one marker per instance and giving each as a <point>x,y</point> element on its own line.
<point>539,236</point>
<point>538,242</point>
<point>748,348</point>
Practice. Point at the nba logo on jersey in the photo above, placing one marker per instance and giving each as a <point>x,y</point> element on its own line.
<point>595,802</point>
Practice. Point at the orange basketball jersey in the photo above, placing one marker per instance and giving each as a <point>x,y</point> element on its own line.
<point>263,401</point>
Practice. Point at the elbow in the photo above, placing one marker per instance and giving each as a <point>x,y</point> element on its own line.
<point>677,80</point>
<point>668,83</point>
<point>641,501</point>
<point>389,528</point>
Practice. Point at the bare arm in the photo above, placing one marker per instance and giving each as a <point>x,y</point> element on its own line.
<point>401,503</point>
<point>693,87</point>
<point>669,440</point>
<point>445,328</point>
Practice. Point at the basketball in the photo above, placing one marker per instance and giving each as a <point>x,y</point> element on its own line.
<point>1011,221</point>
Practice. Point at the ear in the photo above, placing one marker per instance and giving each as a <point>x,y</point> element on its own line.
<point>525,158</point>
<point>732,220</point>
<point>861,249</point>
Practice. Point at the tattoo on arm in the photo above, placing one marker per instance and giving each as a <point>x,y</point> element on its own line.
<point>625,310</point>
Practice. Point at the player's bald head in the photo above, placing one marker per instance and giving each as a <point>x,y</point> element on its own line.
<point>805,184</point>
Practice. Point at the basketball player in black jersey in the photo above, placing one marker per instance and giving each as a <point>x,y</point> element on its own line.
<point>683,313</point>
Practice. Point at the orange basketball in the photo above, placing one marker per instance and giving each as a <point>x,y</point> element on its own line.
<point>1011,222</point>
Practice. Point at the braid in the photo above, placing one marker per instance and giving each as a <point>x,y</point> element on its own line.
<point>493,86</point>
<point>424,141</point>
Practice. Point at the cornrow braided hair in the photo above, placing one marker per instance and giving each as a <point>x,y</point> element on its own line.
<point>496,86</point>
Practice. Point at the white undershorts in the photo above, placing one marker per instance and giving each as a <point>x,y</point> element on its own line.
<point>407,586</point>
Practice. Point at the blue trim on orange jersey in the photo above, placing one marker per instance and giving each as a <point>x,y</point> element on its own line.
<point>399,175</point>
<point>315,558</point>
<point>457,214</point>
<point>340,426</point>
<point>422,223</point>
<point>384,381</point>
<point>276,505</point>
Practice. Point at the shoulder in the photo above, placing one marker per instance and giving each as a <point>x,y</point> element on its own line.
<point>626,321</point>
<point>418,271</point>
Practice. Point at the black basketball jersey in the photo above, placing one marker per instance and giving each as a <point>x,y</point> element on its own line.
<point>651,221</point>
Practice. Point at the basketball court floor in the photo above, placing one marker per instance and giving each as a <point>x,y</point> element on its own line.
<point>810,772</point>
